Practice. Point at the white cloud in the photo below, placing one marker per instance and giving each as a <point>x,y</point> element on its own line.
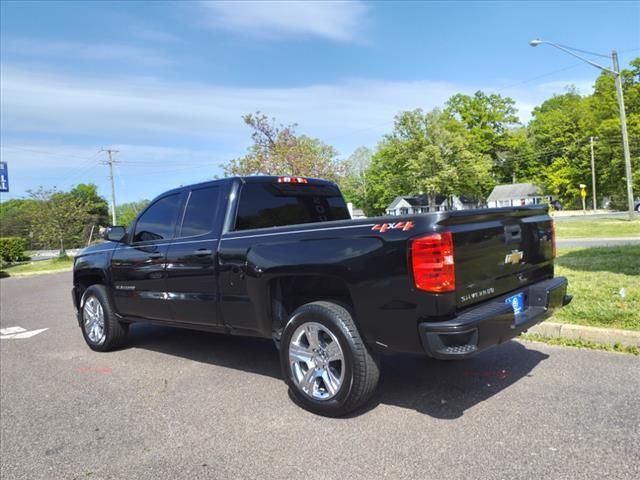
<point>137,110</point>
<point>84,51</point>
<point>336,20</point>
<point>346,113</point>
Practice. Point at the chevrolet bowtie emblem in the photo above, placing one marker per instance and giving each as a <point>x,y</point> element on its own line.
<point>515,257</point>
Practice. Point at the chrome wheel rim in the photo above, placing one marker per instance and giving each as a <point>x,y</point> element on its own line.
<point>93,320</point>
<point>316,361</point>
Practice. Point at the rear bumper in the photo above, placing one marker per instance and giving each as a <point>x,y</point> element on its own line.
<point>493,322</point>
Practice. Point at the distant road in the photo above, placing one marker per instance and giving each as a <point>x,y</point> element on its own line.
<point>596,242</point>
<point>572,215</point>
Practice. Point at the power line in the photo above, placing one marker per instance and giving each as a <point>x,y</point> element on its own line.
<point>585,51</point>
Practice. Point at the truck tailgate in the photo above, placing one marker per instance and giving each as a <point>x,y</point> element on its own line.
<point>497,251</point>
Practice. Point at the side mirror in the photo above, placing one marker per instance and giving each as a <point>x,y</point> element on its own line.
<point>115,233</point>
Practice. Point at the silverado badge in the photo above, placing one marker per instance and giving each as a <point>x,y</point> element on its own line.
<point>515,257</point>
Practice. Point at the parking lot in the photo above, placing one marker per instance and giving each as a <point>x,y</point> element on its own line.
<point>184,404</point>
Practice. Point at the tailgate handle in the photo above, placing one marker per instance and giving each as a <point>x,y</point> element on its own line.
<point>512,233</point>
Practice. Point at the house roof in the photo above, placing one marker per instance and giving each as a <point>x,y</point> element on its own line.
<point>418,201</point>
<point>513,191</point>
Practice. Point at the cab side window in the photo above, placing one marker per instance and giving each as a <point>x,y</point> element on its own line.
<point>200,212</point>
<point>158,221</point>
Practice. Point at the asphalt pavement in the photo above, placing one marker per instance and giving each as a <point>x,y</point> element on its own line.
<point>181,404</point>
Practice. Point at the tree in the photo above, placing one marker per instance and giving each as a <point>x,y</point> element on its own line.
<point>14,220</point>
<point>488,119</point>
<point>560,134</point>
<point>278,150</point>
<point>97,206</point>
<point>353,184</point>
<point>58,218</point>
<point>426,153</point>
<point>516,162</point>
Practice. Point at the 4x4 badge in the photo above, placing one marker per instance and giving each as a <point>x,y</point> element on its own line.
<point>515,257</point>
<point>383,227</point>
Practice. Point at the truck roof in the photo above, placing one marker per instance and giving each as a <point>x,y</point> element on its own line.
<point>245,179</point>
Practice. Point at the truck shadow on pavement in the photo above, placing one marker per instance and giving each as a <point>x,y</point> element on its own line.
<point>441,389</point>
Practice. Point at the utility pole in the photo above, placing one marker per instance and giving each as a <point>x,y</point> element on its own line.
<point>593,176</point>
<point>625,135</point>
<point>110,162</point>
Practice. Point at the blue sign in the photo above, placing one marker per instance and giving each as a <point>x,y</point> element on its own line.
<point>4,177</point>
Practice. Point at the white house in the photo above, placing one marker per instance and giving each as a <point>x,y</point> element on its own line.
<point>420,204</point>
<point>516,194</point>
<point>409,205</point>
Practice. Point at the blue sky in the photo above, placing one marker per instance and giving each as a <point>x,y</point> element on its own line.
<point>166,83</point>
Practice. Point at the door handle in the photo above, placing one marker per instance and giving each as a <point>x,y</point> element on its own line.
<point>202,252</point>
<point>155,256</point>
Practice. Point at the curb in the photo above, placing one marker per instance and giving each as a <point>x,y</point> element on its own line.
<point>31,274</point>
<point>607,336</point>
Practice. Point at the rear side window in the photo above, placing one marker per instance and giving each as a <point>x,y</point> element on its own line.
<point>158,221</point>
<point>264,205</point>
<point>200,212</point>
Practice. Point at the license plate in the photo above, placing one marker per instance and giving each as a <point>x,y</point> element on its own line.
<point>517,302</point>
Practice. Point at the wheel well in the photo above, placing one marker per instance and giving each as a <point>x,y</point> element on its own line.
<point>84,282</point>
<point>289,293</point>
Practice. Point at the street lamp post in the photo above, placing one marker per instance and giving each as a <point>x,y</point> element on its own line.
<point>623,116</point>
<point>593,176</point>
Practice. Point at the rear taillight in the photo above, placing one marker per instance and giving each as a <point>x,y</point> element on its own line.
<point>292,180</point>
<point>553,239</point>
<point>432,263</point>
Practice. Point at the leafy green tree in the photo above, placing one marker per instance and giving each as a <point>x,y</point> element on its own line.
<point>14,218</point>
<point>560,135</point>
<point>426,153</point>
<point>353,182</point>
<point>516,162</point>
<point>278,150</point>
<point>87,193</point>
<point>488,119</point>
<point>58,219</point>
<point>97,207</point>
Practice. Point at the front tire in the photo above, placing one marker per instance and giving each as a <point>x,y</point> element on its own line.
<point>325,362</point>
<point>101,328</point>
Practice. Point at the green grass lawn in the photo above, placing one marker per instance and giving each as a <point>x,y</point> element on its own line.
<point>37,267</point>
<point>597,227</point>
<point>596,277</point>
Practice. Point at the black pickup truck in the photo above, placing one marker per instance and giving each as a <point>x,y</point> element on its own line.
<point>280,257</point>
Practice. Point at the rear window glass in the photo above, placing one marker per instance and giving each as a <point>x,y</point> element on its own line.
<point>264,205</point>
<point>200,212</point>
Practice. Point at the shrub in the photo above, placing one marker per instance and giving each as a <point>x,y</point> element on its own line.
<point>12,249</point>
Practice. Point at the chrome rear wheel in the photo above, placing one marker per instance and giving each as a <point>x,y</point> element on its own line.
<point>317,361</point>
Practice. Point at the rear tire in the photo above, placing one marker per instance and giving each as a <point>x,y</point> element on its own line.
<point>101,328</point>
<point>324,361</point>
